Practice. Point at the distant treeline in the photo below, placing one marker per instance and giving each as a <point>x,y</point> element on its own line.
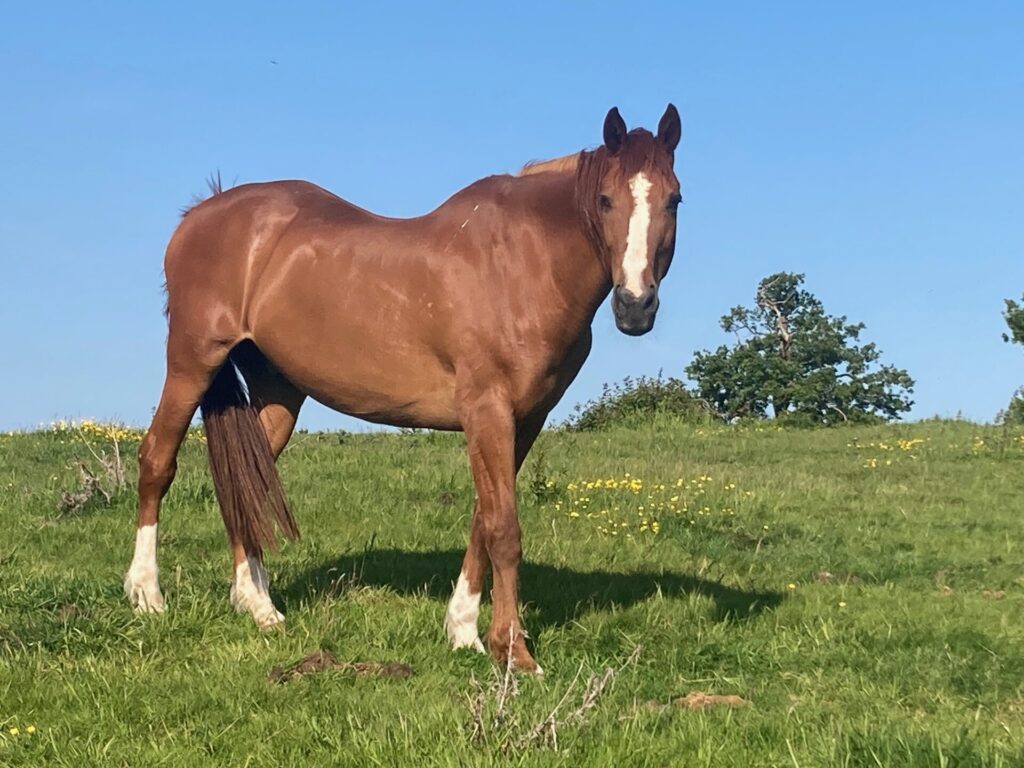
<point>790,361</point>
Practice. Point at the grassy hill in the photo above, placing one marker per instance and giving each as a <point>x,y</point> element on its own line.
<point>861,590</point>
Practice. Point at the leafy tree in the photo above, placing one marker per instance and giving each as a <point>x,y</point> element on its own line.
<point>638,400</point>
<point>1014,315</point>
<point>799,362</point>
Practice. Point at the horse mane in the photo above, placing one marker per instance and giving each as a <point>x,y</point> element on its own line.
<point>589,173</point>
<point>215,187</point>
<point>556,165</point>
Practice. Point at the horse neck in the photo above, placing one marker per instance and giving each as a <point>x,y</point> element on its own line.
<point>575,267</point>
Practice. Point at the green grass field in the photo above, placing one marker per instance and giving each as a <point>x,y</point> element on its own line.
<point>861,588</point>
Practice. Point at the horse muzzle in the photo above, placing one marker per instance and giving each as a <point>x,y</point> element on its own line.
<point>634,315</point>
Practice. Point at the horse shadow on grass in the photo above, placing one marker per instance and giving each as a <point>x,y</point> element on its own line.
<point>555,595</point>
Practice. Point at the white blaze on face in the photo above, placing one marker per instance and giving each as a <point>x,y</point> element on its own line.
<point>635,261</point>
<point>460,620</point>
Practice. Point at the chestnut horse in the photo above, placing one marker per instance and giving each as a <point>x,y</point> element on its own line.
<point>475,317</point>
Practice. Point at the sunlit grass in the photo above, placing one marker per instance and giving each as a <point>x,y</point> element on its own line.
<point>862,588</point>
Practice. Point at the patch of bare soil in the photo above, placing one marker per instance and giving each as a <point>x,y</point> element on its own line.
<point>940,582</point>
<point>698,700</point>
<point>827,577</point>
<point>67,612</point>
<point>323,661</point>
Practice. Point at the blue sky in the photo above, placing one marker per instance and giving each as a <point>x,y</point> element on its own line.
<point>877,147</point>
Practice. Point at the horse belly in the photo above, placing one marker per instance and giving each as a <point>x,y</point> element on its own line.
<point>354,334</point>
<point>383,381</point>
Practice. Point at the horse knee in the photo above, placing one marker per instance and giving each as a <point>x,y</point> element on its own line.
<point>504,543</point>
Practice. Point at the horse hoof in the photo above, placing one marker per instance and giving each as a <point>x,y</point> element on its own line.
<point>473,643</point>
<point>270,620</point>
<point>532,668</point>
<point>522,662</point>
<point>463,635</point>
<point>144,594</point>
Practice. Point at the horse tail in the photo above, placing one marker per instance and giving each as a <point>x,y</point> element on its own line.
<point>242,464</point>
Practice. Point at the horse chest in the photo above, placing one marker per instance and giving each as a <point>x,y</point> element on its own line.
<point>543,376</point>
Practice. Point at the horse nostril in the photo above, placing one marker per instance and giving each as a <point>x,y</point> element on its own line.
<point>648,299</point>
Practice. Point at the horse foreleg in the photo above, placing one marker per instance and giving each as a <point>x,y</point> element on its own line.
<point>460,620</point>
<point>491,437</point>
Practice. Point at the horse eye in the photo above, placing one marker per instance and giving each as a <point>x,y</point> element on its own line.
<point>606,202</point>
<point>673,203</point>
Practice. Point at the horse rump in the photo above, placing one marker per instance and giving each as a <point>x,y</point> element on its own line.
<point>242,464</point>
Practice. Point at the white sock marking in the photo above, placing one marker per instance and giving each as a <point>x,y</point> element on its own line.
<point>461,617</point>
<point>250,593</point>
<point>635,260</point>
<point>142,582</point>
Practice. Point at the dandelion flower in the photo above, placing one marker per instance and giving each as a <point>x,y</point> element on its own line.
<point>791,586</point>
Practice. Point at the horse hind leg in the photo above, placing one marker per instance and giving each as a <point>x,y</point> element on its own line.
<point>277,403</point>
<point>250,588</point>
<point>187,379</point>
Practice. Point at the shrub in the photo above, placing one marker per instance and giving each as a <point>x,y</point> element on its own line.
<point>639,400</point>
<point>1014,413</point>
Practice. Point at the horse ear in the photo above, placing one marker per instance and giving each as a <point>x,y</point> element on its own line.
<point>670,129</point>
<point>614,130</point>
